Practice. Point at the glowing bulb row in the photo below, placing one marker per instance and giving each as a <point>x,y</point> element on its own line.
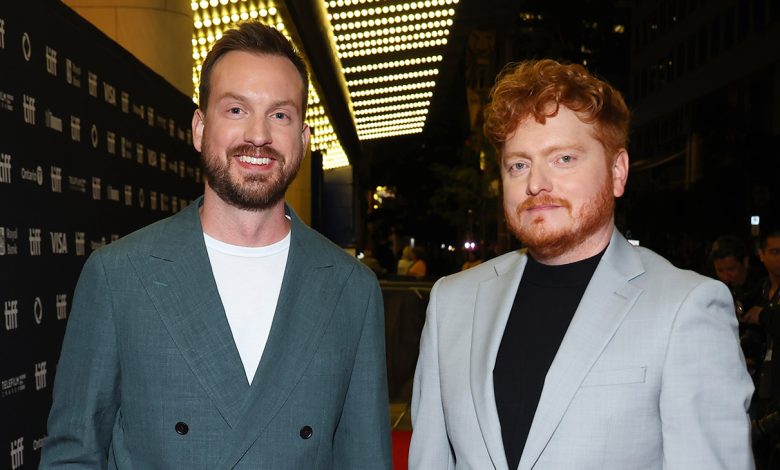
<point>393,78</point>
<point>392,40</point>
<point>393,64</point>
<point>411,18</point>
<point>394,48</point>
<point>417,120</point>
<point>393,89</point>
<point>392,99</point>
<point>389,133</point>
<point>390,117</point>
<point>388,9</point>
<point>203,4</point>
<point>394,30</point>
<point>390,109</point>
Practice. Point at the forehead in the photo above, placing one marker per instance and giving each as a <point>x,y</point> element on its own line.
<point>259,73</point>
<point>773,242</point>
<point>727,262</point>
<point>564,128</point>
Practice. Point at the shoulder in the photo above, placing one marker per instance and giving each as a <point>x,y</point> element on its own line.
<point>490,269</point>
<point>164,231</point>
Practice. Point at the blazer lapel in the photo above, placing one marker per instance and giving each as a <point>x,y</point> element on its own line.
<point>178,278</point>
<point>606,301</point>
<point>310,290</point>
<point>493,304</point>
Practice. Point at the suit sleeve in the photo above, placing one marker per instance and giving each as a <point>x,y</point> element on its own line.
<point>430,448</point>
<point>362,438</point>
<point>705,386</point>
<point>86,387</point>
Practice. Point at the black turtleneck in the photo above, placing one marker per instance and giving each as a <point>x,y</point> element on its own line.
<point>544,305</point>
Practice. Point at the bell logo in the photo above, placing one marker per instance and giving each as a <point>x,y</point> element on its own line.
<point>128,195</point>
<point>51,61</point>
<point>17,453</point>
<point>5,168</point>
<point>28,103</point>
<point>59,243</point>
<point>56,179</point>
<point>11,314</point>
<point>81,243</point>
<point>61,304</point>
<point>35,241</point>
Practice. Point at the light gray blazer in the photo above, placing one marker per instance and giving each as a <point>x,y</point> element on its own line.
<point>649,375</point>
<point>148,347</point>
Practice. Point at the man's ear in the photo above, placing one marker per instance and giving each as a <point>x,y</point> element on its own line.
<point>305,136</point>
<point>197,129</point>
<point>620,173</point>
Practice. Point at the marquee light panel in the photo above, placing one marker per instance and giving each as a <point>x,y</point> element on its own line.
<point>389,52</point>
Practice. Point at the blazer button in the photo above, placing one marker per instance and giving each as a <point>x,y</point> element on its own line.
<point>306,432</point>
<point>182,428</point>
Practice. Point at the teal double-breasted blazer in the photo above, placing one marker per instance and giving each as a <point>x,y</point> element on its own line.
<point>150,377</point>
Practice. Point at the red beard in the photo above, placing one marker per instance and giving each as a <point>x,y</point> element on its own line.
<point>545,243</point>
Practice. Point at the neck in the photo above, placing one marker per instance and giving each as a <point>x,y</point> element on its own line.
<point>235,226</point>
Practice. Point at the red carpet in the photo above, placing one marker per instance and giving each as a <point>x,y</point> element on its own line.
<point>401,441</point>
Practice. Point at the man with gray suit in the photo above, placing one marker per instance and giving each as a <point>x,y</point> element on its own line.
<point>585,352</point>
<point>229,335</point>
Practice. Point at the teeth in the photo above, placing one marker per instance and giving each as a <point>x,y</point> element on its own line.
<point>254,161</point>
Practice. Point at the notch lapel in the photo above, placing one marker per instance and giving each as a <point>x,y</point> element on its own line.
<point>604,305</point>
<point>310,291</point>
<point>493,304</point>
<point>178,279</point>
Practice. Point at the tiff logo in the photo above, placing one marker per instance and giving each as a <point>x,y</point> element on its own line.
<point>28,103</point>
<point>139,153</point>
<point>11,313</point>
<point>59,243</point>
<point>81,243</point>
<point>35,241</point>
<point>5,168</point>
<point>51,61</point>
<point>125,97</point>
<point>62,306</point>
<point>2,33</point>
<point>96,188</point>
<point>75,128</point>
<point>40,375</point>
<point>2,241</point>
<point>128,195</point>
<point>56,179</point>
<point>17,453</point>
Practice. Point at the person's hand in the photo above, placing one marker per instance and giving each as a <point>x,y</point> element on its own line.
<point>751,317</point>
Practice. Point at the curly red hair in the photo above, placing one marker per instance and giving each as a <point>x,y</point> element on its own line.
<point>537,88</point>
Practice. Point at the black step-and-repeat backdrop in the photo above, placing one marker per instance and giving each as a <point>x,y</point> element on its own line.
<point>93,145</point>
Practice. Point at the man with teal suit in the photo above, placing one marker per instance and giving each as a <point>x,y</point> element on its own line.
<point>230,335</point>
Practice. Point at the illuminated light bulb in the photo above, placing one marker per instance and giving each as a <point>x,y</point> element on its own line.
<point>272,11</point>
<point>223,2</point>
<point>213,3</point>
<point>216,21</point>
<point>207,22</point>
<point>204,4</point>
<point>263,12</point>
<point>226,19</point>
<point>234,17</point>
<point>194,42</point>
<point>244,15</point>
<point>202,41</point>
<point>196,55</point>
<point>194,6</point>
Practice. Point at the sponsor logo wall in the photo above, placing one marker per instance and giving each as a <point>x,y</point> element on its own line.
<point>94,145</point>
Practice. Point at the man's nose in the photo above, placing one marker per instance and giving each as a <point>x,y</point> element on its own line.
<point>538,181</point>
<point>257,131</point>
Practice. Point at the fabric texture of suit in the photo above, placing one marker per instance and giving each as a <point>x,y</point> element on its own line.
<point>649,374</point>
<point>150,377</point>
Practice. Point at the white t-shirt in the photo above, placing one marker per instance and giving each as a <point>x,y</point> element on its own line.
<point>249,280</point>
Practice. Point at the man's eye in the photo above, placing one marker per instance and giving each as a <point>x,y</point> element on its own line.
<point>566,159</point>
<point>519,166</point>
<point>234,110</point>
<point>280,115</point>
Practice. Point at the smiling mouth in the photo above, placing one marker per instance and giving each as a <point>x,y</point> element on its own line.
<point>254,160</point>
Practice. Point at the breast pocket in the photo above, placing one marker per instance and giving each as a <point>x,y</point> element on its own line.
<point>601,378</point>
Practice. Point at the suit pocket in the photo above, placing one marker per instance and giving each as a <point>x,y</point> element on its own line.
<point>600,378</point>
